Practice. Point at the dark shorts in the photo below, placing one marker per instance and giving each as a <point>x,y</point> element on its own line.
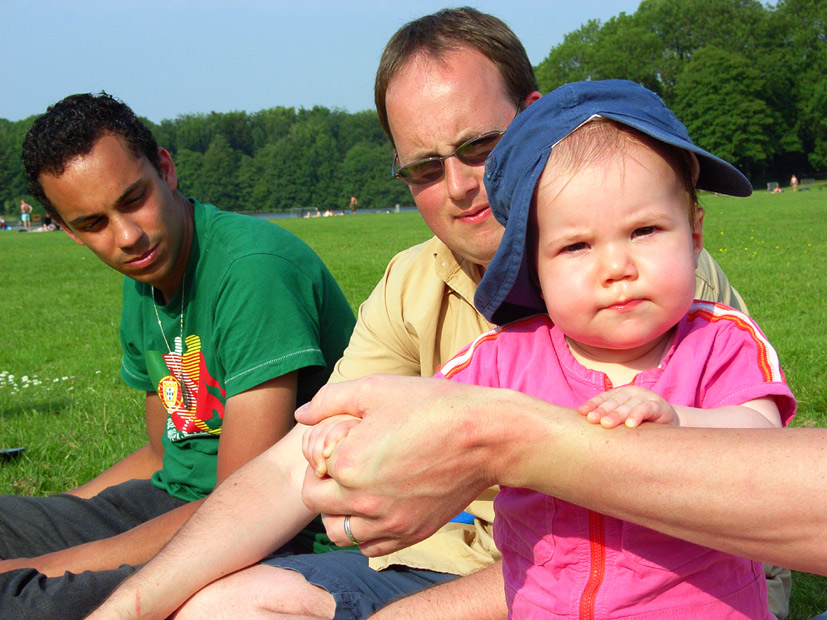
<point>358,590</point>
<point>31,526</point>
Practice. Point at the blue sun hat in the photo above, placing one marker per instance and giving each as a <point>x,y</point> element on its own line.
<point>515,165</point>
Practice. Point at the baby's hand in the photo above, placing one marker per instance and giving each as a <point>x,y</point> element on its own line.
<point>629,404</point>
<point>320,440</point>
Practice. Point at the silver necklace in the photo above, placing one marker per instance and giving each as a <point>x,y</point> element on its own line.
<point>179,343</point>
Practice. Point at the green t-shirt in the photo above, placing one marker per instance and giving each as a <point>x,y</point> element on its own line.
<point>257,304</point>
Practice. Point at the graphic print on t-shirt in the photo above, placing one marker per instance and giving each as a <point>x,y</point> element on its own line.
<point>193,399</point>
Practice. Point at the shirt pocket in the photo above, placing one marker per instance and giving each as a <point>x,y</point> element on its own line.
<point>523,525</point>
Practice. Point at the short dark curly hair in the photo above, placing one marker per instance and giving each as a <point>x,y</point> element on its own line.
<point>71,127</point>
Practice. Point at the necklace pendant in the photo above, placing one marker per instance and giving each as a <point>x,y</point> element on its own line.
<point>176,388</point>
<point>174,394</point>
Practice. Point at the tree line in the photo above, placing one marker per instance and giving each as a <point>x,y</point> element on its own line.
<point>747,79</point>
<point>273,160</point>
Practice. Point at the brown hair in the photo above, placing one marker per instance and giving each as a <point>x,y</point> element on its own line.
<point>452,29</point>
<point>602,136</point>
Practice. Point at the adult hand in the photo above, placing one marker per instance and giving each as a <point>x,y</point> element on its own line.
<point>418,457</point>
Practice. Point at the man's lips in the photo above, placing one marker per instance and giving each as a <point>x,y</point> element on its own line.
<point>472,216</point>
<point>143,260</point>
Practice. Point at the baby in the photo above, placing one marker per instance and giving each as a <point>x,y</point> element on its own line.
<point>596,186</point>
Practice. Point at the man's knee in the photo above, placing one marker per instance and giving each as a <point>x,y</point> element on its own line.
<point>259,591</point>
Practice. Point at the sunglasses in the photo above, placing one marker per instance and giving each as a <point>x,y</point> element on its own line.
<point>424,171</point>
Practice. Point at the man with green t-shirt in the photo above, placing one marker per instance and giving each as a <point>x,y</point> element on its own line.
<point>228,324</point>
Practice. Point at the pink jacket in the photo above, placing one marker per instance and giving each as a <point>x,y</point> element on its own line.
<point>563,561</point>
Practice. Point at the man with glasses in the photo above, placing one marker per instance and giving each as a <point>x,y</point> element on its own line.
<point>447,87</point>
<point>431,169</point>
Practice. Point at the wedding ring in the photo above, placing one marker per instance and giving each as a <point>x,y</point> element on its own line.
<point>348,531</point>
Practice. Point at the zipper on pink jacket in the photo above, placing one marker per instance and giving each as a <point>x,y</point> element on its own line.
<point>597,569</point>
<point>597,549</point>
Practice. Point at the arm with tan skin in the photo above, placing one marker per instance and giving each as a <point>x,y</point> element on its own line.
<point>757,493</point>
<point>630,405</point>
<point>142,463</point>
<point>253,421</point>
<point>253,511</point>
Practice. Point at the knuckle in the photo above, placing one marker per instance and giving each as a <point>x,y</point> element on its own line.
<point>368,385</point>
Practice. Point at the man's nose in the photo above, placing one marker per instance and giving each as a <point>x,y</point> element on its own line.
<point>127,233</point>
<point>461,179</point>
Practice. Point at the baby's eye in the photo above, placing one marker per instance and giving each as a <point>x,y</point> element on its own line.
<point>644,231</point>
<point>576,247</point>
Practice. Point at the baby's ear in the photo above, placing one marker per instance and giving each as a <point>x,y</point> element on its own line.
<point>696,172</point>
<point>698,234</point>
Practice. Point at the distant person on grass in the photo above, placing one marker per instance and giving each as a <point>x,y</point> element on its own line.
<point>48,223</point>
<point>447,87</point>
<point>26,215</point>
<point>228,324</point>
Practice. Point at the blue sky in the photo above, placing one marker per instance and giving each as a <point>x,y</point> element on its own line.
<point>166,58</point>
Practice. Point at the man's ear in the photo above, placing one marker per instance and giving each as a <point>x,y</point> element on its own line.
<point>698,234</point>
<point>167,168</point>
<point>531,98</point>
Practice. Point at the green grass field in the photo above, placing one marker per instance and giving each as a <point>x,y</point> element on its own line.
<point>61,396</point>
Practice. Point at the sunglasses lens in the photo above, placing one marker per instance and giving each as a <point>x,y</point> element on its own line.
<point>422,172</point>
<point>474,152</point>
<point>471,153</point>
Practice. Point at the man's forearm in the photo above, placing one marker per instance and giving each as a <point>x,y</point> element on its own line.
<point>253,512</point>
<point>141,464</point>
<point>478,596</point>
<point>758,493</point>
